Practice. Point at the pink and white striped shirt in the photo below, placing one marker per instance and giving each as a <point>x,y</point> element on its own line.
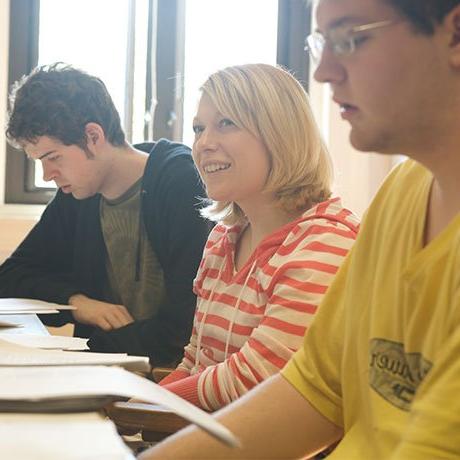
<point>249,322</point>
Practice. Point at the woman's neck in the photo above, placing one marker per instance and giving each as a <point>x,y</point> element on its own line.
<point>260,224</point>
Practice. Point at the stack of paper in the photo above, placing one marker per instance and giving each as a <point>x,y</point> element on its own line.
<point>12,354</point>
<point>47,342</point>
<point>60,436</point>
<point>42,385</point>
<point>26,306</point>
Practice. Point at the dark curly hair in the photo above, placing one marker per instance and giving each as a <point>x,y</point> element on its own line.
<point>58,101</point>
<point>424,14</point>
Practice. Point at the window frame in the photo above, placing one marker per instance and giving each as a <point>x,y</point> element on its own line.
<point>20,177</point>
<point>165,70</point>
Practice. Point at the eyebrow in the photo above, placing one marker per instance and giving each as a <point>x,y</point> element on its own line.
<point>344,21</point>
<point>43,156</point>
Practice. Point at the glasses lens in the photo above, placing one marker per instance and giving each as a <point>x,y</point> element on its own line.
<point>343,46</point>
<point>315,45</point>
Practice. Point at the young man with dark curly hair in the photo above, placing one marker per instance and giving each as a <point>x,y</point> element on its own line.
<point>380,367</point>
<point>122,239</point>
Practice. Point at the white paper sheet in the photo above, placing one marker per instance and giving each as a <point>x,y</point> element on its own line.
<point>47,342</point>
<point>38,383</point>
<point>31,311</point>
<point>12,354</point>
<point>12,305</point>
<point>29,324</point>
<point>60,436</point>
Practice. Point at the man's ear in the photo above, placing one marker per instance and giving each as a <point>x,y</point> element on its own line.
<point>95,135</point>
<point>452,22</point>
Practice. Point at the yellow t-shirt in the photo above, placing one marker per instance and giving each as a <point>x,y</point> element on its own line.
<point>382,358</point>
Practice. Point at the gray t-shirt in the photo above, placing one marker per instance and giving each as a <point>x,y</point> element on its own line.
<point>120,220</point>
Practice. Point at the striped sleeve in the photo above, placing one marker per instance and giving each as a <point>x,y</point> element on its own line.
<point>294,290</point>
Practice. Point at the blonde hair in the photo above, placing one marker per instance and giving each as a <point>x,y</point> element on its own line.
<point>271,104</point>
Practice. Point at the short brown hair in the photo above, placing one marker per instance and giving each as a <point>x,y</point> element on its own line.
<point>424,14</point>
<point>59,101</point>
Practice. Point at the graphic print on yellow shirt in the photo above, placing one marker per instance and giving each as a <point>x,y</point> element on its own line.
<point>395,374</point>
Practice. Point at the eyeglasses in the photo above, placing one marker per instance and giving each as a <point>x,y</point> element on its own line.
<point>342,41</point>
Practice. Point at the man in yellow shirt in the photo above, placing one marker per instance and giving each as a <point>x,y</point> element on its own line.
<point>380,367</point>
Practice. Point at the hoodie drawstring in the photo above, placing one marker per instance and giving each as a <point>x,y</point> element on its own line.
<point>232,322</point>
<point>203,319</point>
<point>237,307</point>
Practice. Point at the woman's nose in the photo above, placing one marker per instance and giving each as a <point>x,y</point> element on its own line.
<point>207,140</point>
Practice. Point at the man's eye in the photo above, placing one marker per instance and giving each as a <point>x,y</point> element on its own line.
<point>226,122</point>
<point>360,39</point>
<point>54,158</point>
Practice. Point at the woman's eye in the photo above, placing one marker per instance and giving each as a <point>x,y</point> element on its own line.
<point>226,122</point>
<point>53,158</point>
<point>197,129</point>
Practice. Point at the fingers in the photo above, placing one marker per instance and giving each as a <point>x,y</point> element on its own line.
<point>104,324</point>
<point>116,316</point>
<point>125,314</point>
<point>104,315</point>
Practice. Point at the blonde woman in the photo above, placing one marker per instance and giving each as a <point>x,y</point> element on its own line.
<point>279,240</point>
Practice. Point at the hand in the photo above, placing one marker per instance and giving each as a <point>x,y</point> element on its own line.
<point>104,315</point>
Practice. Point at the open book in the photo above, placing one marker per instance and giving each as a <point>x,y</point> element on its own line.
<point>23,387</point>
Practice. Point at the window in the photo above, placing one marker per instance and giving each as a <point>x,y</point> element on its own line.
<point>152,55</point>
<point>116,54</point>
<point>213,44</point>
<point>115,50</point>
